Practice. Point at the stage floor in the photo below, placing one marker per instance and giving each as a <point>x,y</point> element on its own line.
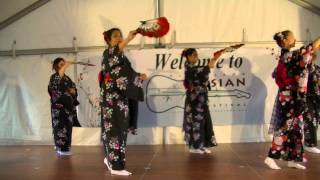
<point>228,161</point>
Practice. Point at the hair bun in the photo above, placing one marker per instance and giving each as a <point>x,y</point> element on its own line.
<point>278,36</point>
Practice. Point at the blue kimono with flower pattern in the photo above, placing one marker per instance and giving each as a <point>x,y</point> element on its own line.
<point>197,123</point>
<point>63,110</point>
<point>118,83</point>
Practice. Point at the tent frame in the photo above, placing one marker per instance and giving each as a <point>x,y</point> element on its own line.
<point>159,42</point>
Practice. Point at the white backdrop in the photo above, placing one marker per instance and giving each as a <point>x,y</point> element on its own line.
<point>241,98</point>
<point>240,101</point>
<point>240,85</point>
<point>24,107</point>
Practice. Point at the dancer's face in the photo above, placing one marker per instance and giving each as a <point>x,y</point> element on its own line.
<point>193,58</point>
<point>116,38</point>
<point>61,64</point>
<point>289,41</point>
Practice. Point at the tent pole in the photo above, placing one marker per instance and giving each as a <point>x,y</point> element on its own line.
<point>158,8</point>
<point>22,13</point>
<point>307,5</point>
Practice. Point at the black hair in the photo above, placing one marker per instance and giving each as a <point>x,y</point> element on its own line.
<point>56,62</point>
<point>187,52</point>
<point>107,34</point>
<point>280,36</point>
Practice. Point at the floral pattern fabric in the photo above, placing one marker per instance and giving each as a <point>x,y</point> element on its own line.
<point>197,123</point>
<point>63,110</point>
<point>292,78</point>
<point>119,83</point>
<point>312,114</point>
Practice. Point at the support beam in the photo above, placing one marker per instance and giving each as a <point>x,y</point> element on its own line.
<point>137,47</point>
<point>22,13</point>
<point>307,5</point>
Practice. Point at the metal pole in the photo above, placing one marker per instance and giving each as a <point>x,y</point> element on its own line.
<point>22,13</point>
<point>132,47</point>
<point>309,6</point>
<point>158,8</point>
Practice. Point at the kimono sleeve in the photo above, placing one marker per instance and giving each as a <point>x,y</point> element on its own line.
<point>118,72</point>
<point>54,87</point>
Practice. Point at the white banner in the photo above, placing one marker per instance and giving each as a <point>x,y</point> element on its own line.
<point>240,85</point>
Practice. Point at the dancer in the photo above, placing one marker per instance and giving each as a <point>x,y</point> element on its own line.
<point>197,123</point>
<point>119,83</point>
<point>311,117</point>
<point>63,95</point>
<point>291,77</point>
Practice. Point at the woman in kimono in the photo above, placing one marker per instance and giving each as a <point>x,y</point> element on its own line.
<point>312,115</point>
<point>291,76</point>
<point>197,123</point>
<point>63,95</point>
<point>118,83</point>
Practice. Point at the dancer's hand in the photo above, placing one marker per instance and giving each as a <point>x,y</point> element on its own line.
<point>143,77</point>
<point>62,70</point>
<point>72,91</point>
<point>132,35</point>
<point>316,44</point>
<point>125,42</point>
<point>212,62</point>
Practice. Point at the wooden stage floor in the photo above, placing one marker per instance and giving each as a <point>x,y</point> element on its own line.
<point>170,162</point>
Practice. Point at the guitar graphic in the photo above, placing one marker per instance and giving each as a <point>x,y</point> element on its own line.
<point>164,93</point>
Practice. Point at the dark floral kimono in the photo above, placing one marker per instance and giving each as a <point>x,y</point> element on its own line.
<point>119,83</point>
<point>312,115</point>
<point>197,123</point>
<point>63,110</point>
<point>292,78</point>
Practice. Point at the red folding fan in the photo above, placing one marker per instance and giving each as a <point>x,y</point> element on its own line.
<point>154,27</point>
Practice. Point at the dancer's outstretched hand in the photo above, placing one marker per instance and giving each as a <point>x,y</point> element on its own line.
<point>125,42</point>
<point>316,44</point>
<point>143,76</point>
<point>132,35</point>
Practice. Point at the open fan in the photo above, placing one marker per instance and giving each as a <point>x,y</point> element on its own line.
<point>228,49</point>
<point>83,63</point>
<point>154,27</point>
<point>80,63</point>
